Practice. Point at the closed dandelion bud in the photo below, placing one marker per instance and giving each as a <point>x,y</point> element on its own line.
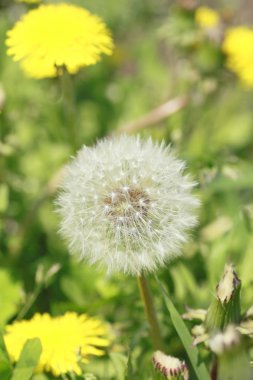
<point>170,367</point>
<point>233,361</point>
<point>225,308</point>
<point>126,205</point>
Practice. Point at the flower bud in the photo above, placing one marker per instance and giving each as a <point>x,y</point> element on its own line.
<point>225,308</point>
<point>169,366</point>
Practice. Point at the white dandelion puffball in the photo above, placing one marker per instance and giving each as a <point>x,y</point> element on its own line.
<point>126,205</point>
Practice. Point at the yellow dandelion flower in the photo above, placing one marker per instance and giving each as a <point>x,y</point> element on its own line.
<point>66,340</point>
<point>238,46</point>
<point>57,35</point>
<point>207,17</point>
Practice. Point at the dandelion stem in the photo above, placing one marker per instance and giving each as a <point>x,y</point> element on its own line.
<point>147,299</point>
<point>69,106</point>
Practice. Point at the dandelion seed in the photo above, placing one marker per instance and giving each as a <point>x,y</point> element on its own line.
<point>54,36</point>
<point>139,222</point>
<point>66,340</point>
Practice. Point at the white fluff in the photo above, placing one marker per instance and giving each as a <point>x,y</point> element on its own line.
<point>126,205</point>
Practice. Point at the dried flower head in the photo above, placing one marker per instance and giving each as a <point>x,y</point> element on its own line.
<point>67,340</point>
<point>55,36</point>
<point>171,367</point>
<point>126,204</point>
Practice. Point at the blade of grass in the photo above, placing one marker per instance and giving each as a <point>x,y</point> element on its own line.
<point>28,360</point>
<point>5,364</point>
<point>185,337</point>
<point>119,362</point>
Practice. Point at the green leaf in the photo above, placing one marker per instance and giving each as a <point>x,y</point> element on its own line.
<point>40,376</point>
<point>129,367</point>
<point>4,195</point>
<point>246,263</point>
<point>5,364</point>
<point>89,376</point>
<point>185,283</point>
<point>72,290</point>
<point>120,363</point>
<point>10,296</point>
<point>186,339</point>
<point>28,360</point>
<point>234,365</point>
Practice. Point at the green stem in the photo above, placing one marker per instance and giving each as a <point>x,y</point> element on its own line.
<point>69,106</point>
<point>147,299</point>
<point>30,301</point>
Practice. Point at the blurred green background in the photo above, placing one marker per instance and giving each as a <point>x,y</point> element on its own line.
<point>160,54</point>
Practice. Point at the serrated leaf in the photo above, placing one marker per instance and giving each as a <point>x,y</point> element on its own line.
<point>5,364</point>
<point>28,360</point>
<point>185,337</point>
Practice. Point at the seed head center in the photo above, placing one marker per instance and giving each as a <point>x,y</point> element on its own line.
<point>127,203</point>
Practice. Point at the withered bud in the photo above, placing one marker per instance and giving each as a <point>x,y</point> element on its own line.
<point>172,368</point>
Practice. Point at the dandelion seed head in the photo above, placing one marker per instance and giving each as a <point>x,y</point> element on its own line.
<point>138,218</point>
